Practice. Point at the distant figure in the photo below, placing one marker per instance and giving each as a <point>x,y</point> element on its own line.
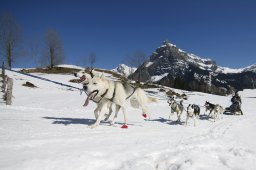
<point>236,98</point>
<point>236,103</point>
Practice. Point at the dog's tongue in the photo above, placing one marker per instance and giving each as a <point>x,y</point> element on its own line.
<point>86,101</point>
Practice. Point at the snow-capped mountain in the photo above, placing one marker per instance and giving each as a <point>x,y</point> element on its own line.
<point>124,70</point>
<point>226,70</point>
<point>251,68</point>
<point>171,66</point>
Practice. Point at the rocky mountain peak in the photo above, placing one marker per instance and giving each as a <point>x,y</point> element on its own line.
<point>168,65</point>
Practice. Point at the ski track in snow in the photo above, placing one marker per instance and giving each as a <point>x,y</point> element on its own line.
<point>47,128</point>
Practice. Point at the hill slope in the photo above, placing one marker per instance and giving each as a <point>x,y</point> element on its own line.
<point>46,128</point>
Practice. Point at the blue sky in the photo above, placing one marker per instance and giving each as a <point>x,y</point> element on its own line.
<point>223,30</point>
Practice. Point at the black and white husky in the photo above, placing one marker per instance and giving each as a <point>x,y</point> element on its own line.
<point>193,111</point>
<point>216,109</point>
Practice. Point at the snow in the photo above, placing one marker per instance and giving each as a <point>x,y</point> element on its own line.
<point>250,68</point>
<point>201,62</point>
<point>60,65</point>
<point>69,66</point>
<point>157,78</point>
<point>227,70</point>
<point>206,63</point>
<point>124,70</point>
<point>46,128</point>
<point>167,44</point>
<point>195,57</point>
<point>149,64</point>
<point>180,50</point>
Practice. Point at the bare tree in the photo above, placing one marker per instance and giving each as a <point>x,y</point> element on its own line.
<point>92,59</point>
<point>136,60</point>
<point>54,53</point>
<point>10,36</point>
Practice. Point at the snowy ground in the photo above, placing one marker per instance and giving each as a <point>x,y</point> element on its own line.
<point>46,128</point>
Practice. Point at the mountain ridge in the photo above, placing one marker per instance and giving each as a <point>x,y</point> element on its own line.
<point>171,66</point>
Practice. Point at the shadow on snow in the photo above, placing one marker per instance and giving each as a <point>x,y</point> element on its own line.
<point>166,121</point>
<point>172,122</point>
<point>68,121</point>
<point>82,121</point>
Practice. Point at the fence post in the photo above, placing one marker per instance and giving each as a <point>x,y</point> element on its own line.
<point>3,70</point>
<point>3,76</point>
<point>2,92</point>
<point>6,88</point>
<point>9,91</point>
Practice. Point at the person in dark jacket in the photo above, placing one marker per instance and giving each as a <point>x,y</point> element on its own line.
<point>236,103</point>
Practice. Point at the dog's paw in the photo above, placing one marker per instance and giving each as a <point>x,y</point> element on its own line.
<point>145,115</point>
<point>112,123</point>
<point>106,117</point>
<point>92,126</point>
<point>124,126</point>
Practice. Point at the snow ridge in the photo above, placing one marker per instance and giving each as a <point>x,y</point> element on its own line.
<point>124,70</point>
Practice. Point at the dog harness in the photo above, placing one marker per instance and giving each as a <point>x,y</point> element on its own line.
<point>177,105</point>
<point>134,89</point>
<point>114,94</point>
<point>102,96</point>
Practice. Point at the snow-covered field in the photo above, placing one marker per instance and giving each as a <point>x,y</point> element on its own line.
<point>46,128</point>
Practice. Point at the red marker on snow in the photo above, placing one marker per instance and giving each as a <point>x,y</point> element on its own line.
<point>144,115</point>
<point>124,126</point>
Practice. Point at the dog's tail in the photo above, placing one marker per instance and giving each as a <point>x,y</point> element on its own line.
<point>152,100</point>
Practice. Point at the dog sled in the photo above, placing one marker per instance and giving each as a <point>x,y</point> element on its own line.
<point>234,109</point>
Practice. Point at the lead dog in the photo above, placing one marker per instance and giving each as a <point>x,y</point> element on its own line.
<point>116,92</point>
<point>84,78</point>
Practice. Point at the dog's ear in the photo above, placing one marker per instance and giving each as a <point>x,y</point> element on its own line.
<point>89,71</point>
<point>92,73</point>
<point>102,75</point>
<point>98,74</point>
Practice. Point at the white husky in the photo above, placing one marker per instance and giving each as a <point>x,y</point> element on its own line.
<point>84,78</point>
<point>105,91</point>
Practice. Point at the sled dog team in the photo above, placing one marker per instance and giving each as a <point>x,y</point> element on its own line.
<point>106,93</point>
<point>193,110</point>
